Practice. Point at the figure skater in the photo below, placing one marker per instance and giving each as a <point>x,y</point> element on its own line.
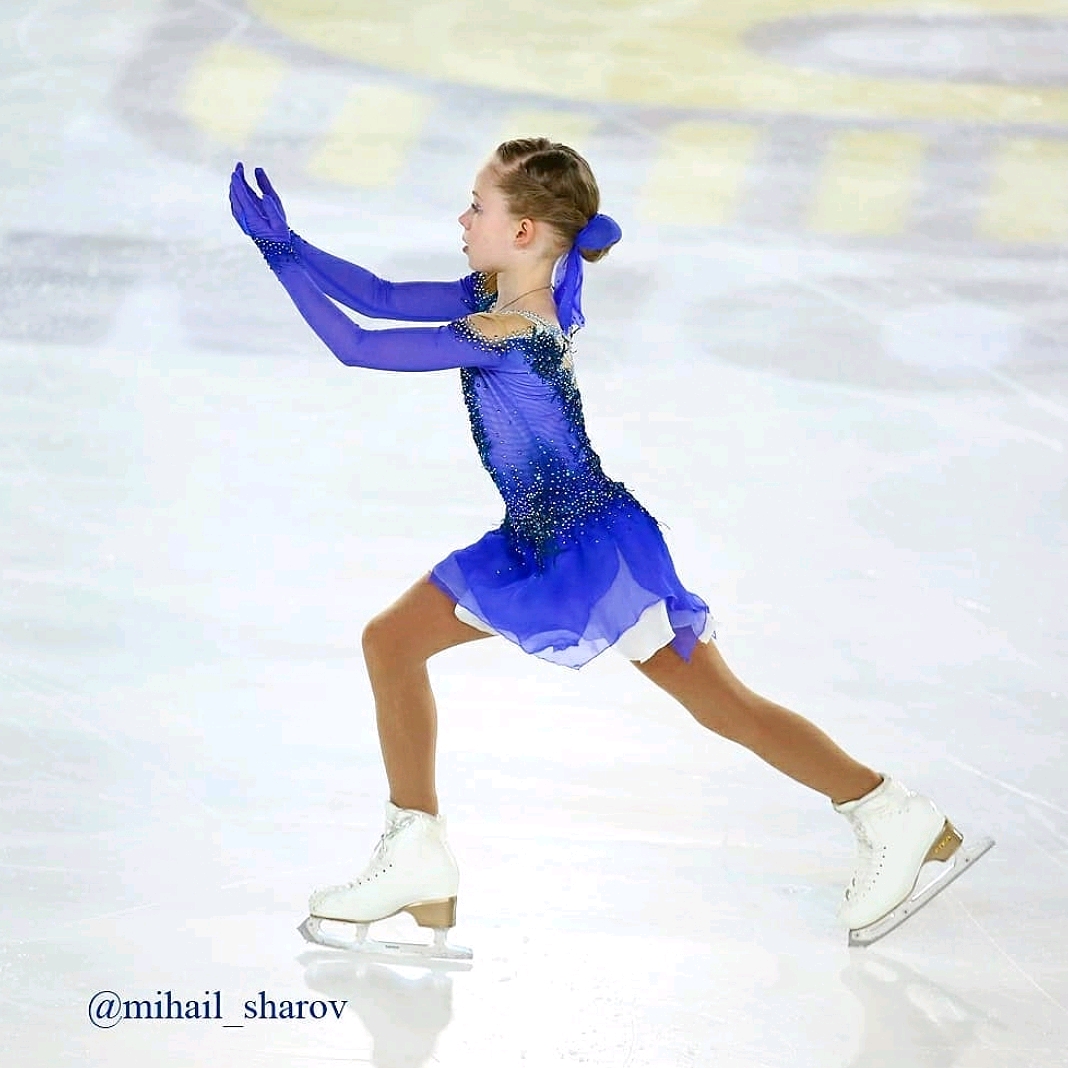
<point>576,567</point>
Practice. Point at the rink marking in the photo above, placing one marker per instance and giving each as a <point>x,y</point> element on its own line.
<point>1028,196</point>
<point>682,55</point>
<point>867,182</point>
<point>371,136</point>
<point>229,91</point>
<point>699,173</point>
<point>866,185</point>
<point>568,127</point>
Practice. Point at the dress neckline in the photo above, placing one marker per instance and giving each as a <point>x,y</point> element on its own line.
<point>534,317</point>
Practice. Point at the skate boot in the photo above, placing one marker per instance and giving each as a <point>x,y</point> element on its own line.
<point>412,870</point>
<point>897,833</point>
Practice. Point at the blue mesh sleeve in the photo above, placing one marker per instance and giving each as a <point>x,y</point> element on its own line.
<point>403,349</point>
<point>359,289</point>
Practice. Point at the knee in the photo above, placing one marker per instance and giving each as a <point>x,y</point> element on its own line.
<point>385,640</point>
<point>378,639</point>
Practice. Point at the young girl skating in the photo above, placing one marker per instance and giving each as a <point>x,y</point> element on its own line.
<point>577,566</point>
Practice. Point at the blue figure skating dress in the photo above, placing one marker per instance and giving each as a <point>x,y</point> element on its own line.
<point>577,565</point>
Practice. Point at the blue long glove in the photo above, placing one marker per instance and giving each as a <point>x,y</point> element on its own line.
<point>261,218</point>
<point>264,220</point>
<point>407,348</point>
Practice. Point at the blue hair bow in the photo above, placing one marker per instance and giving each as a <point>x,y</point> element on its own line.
<point>602,231</point>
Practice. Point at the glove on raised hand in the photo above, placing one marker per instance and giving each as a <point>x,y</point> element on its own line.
<point>261,218</point>
<point>264,220</point>
<point>311,276</point>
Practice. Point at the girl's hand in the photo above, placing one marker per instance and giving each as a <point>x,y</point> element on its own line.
<point>258,217</point>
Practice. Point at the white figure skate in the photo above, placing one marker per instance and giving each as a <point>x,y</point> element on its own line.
<point>412,870</point>
<point>897,833</point>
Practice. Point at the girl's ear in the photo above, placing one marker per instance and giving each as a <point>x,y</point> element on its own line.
<point>524,234</point>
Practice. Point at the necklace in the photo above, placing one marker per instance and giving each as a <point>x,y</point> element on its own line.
<point>536,289</point>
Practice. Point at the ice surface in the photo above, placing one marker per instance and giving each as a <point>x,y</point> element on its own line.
<point>828,355</point>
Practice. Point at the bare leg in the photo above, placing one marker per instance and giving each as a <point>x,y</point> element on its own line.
<point>719,701</point>
<point>396,646</point>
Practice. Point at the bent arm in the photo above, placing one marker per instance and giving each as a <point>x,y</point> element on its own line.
<point>359,289</point>
<point>404,349</point>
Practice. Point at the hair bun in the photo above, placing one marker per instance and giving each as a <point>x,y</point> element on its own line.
<point>600,233</point>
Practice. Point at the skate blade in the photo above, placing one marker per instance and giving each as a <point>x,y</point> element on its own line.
<point>438,950</point>
<point>961,860</point>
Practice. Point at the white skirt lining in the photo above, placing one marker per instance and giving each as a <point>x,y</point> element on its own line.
<point>648,636</point>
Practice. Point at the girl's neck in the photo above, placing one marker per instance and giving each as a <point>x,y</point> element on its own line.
<point>528,288</point>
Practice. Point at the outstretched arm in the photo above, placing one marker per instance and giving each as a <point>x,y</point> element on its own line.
<point>263,219</point>
<point>351,285</point>
<point>359,289</point>
<point>403,349</point>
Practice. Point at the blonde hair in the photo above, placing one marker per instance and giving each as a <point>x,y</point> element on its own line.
<point>551,183</point>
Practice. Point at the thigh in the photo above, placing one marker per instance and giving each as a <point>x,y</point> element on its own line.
<point>422,621</point>
<point>703,680</point>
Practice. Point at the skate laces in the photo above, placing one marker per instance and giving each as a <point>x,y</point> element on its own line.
<point>378,856</point>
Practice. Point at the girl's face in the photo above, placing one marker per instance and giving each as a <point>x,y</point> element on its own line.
<point>490,230</point>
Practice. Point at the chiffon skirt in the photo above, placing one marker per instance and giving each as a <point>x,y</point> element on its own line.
<point>610,583</point>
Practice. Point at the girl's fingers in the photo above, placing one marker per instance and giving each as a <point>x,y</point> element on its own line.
<point>248,206</point>
<point>236,188</point>
<point>265,184</point>
<point>237,209</point>
<point>238,184</point>
<point>239,204</point>
<point>271,199</point>
<point>239,173</point>
<point>250,203</point>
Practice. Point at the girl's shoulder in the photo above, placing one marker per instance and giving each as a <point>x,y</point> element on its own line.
<point>500,332</point>
<point>537,343</point>
<point>524,342</point>
<point>513,326</point>
<point>499,326</point>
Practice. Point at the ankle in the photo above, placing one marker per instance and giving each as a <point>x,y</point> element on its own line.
<point>415,803</point>
<point>871,782</point>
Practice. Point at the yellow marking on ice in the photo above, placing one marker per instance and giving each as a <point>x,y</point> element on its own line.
<point>565,126</point>
<point>691,55</point>
<point>371,136</point>
<point>867,183</point>
<point>229,91</point>
<point>1028,194</point>
<point>697,175</point>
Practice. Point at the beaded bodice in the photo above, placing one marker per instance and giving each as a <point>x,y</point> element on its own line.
<point>527,422</point>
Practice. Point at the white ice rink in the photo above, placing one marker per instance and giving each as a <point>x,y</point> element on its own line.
<point>829,355</point>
